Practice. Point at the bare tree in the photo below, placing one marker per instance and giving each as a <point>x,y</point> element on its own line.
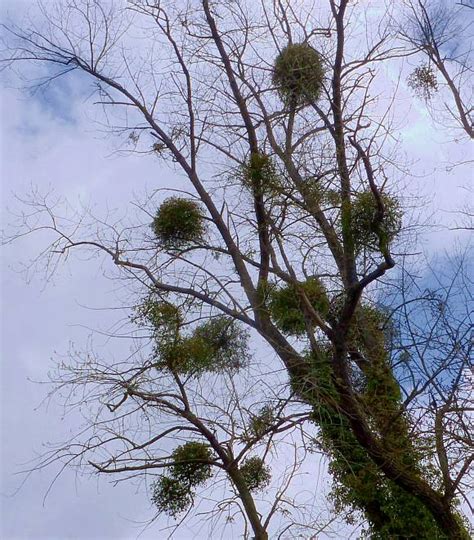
<point>267,110</point>
<point>431,335</point>
<point>178,433</point>
<point>443,35</point>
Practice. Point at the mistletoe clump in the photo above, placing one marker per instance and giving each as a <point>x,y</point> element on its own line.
<point>298,74</point>
<point>191,467</point>
<point>260,175</point>
<point>423,81</point>
<point>228,340</point>
<point>262,422</point>
<point>171,496</point>
<point>178,223</point>
<point>186,355</point>
<point>191,463</point>
<point>286,305</point>
<point>256,474</point>
<point>368,232</point>
<point>164,317</point>
<point>216,345</point>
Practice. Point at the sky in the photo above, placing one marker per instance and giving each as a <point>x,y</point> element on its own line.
<point>53,141</point>
<point>39,319</point>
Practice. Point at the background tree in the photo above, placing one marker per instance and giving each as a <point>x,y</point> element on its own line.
<point>442,33</point>
<point>292,190</point>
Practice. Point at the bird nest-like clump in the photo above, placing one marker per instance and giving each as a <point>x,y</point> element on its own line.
<point>286,305</point>
<point>191,463</point>
<point>260,175</point>
<point>367,232</point>
<point>163,317</point>
<point>262,422</point>
<point>179,222</point>
<point>298,74</point>
<point>423,81</point>
<point>217,345</point>
<point>171,496</point>
<point>256,474</point>
<point>191,466</point>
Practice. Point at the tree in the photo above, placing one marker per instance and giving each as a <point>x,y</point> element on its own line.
<point>288,230</point>
<point>179,429</point>
<point>441,33</point>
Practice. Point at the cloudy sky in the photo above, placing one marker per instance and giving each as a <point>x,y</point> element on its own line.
<point>52,140</point>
